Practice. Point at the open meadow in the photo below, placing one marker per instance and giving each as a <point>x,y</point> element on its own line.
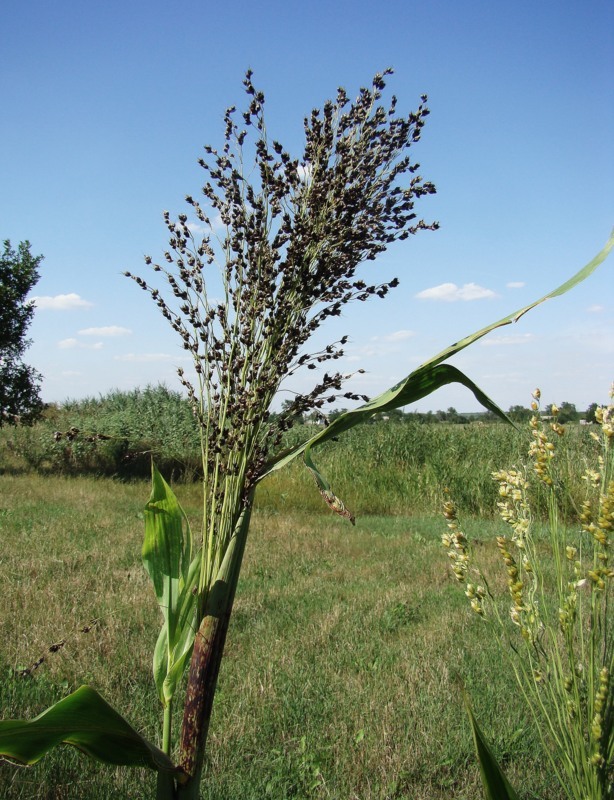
<point>340,673</point>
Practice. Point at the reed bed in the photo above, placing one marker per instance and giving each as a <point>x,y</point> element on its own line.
<point>382,468</point>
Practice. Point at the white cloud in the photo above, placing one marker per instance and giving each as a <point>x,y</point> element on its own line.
<point>397,336</point>
<point>197,227</point>
<point>378,347</point>
<point>304,172</point>
<point>61,302</point>
<point>143,357</point>
<point>520,338</point>
<point>72,344</point>
<point>450,292</point>
<point>109,330</point>
<point>596,309</point>
<point>515,284</point>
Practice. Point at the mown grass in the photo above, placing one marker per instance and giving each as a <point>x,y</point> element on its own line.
<point>339,674</point>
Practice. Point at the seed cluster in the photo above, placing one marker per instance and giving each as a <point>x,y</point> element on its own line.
<point>514,509</point>
<point>283,239</point>
<point>602,702</point>
<point>457,547</point>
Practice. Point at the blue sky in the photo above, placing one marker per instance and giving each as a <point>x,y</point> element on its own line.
<point>106,107</point>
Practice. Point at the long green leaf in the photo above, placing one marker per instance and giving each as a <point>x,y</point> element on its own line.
<point>431,375</point>
<point>86,721</point>
<point>167,557</point>
<point>496,786</point>
<point>167,551</point>
<point>416,386</point>
<point>419,384</point>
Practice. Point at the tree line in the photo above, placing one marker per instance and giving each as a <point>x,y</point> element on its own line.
<point>566,412</point>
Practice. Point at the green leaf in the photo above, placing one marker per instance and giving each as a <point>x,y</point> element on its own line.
<point>160,664</point>
<point>431,375</point>
<point>169,663</point>
<point>331,499</point>
<point>415,386</point>
<point>166,552</point>
<point>496,785</point>
<point>86,721</point>
<point>419,384</point>
<point>167,557</point>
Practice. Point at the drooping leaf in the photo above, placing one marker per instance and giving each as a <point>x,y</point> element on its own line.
<point>496,786</point>
<point>330,498</point>
<point>431,375</point>
<point>419,384</point>
<point>416,386</point>
<point>86,721</point>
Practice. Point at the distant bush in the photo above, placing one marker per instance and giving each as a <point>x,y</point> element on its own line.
<point>115,434</point>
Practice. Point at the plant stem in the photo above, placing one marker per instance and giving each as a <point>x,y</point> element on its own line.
<point>166,730</point>
<point>165,789</point>
<point>205,663</point>
<point>204,669</point>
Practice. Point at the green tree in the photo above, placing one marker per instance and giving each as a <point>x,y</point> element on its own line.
<point>568,413</point>
<point>589,416</point>
<point>19,383</point>
<point>519,413</point>
<point>454,417</point>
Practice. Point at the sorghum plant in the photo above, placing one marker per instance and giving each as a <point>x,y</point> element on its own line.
<point>291,237</point>
<point>283,241</point>
<point>561,637</point>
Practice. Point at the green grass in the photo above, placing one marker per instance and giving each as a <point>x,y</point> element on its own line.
<point>400,469</point>
<point>382,468</point>
<point>338,677</point>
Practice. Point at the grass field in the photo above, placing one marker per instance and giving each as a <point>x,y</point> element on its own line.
<point>339,674</point>
<point>393,468</point>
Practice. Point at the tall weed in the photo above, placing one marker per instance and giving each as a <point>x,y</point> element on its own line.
<point>555,626</point>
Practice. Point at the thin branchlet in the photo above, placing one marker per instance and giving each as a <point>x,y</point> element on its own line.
<point>283,240</point>
<point>287,236</point>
